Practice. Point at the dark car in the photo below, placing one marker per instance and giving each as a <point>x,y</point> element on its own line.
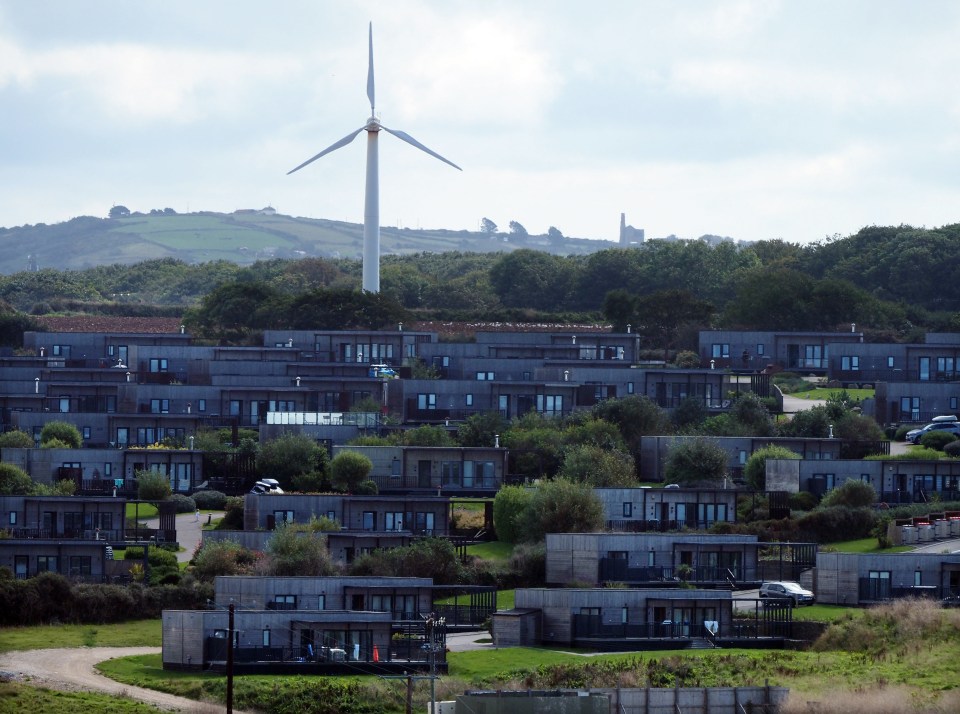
<point>787,590</point>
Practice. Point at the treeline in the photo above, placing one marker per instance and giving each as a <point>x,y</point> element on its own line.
<point>894,281</point>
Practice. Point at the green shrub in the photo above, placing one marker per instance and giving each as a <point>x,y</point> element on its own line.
<point>152,486</point>
<point>509,506</point>
<point>210,500</point>
<point>851,493</point>
<point>16,439</point>
<point>183,504</point>
<point>837,523</point>
<point>367,487</point>
<point>233,515</point>
<point>63,432</point>
<point>802,501</point>
<point>936,440</point>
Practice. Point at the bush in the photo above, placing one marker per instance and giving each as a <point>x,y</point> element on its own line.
<point>837,523</point>
<point>163,564</point>
<point>952,449</point>
<point>291,455</point>
<point>183,504</point>
<point>233,515</point>
<point>16,439</point>
<point>561,506</point>
<point>528,565</point>
<point>348,469</point>
<point>802,501</point>
<point>509,506</point>
<point>210,500</point>
<point>851,493</point>
<point>310,482</point>
<point>937,440</point>
<point>63,432</point>
<point>152,486</point>
<point>367,487</point>
<point>225,557</point>
<point>14,481</point>
<point>293,553</point>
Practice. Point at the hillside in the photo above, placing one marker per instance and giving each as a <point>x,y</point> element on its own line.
<point>241,237</point>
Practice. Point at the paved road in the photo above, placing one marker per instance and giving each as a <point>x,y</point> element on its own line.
<point>73,670</point>
<point>189,531</point>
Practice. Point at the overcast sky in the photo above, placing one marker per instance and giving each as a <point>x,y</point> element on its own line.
<point>755,120</point>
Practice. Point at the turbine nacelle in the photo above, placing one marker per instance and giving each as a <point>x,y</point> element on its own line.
<point>371,213</point>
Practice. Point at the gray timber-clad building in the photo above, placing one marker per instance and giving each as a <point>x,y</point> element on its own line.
<point>870,578</point>
<point>652,559</point>
<point>666,509</point>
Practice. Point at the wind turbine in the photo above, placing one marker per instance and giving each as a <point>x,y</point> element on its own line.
<point>371,206</point>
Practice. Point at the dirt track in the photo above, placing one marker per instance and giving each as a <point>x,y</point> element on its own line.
<point>73,670</point>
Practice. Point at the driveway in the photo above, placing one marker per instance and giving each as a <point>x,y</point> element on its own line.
<point>73,670</point>
<point>189,531</point>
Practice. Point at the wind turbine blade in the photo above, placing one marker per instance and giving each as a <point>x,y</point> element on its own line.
<point>370,74</point>
<point>333,147</point>
<point>410,140</point>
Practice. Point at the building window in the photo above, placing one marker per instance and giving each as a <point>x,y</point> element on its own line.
<point>924,371</point>
<point>879,584</point>
<point>393,520</point>
<point>450,473</point>
<point>47,563</point>
<point>283,602</point>
<point>64,404</point>
<point>86,432</point>
<point>917,578</point>
<point>481,474</point>
<point>890,362</point>
<point>266,638</point>
<point>13,518</point>
<point>550,404</point>
<point>369,521</point>
<point>485,376</point>
<point>910,408</point>
<point>283,516</point>
<point>629,387</point>
<point>80,565</point>
<point>61,351</point>
<point>426,401</point>
<point>158,364</point>
<point>107,470</point>
<point>850,363</point>
<point>720,350</point>
<point>627,509</point>
<point>236,407</point>
<point>201,405</point>
<point>159,406</point>
<point>760,349</point>
<point>953,402</point>
<point>469,400</point>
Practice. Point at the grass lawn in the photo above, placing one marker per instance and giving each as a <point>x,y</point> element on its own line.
<point>16,697</point>
<point>142,511</point>
<point>825,393</point>
<point>138,633</point>
<point>864,545</point>
<point>494,550</point>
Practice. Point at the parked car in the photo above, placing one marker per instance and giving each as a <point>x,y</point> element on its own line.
<point>914,435</point>
<point>787,590</point>
<point>266,485</point>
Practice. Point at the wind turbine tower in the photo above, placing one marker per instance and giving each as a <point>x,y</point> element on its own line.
<point>371,206</point>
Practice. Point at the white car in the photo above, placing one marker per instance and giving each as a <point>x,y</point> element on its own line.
<point>266,485</point>
<point>787,590</point>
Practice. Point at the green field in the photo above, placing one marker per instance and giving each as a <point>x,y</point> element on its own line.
<point>17,697</point>
<point>138,633</point>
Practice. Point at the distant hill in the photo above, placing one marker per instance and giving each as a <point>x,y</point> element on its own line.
<point>241,237</point>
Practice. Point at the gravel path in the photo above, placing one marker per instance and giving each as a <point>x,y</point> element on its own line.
<point>73,670</point>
